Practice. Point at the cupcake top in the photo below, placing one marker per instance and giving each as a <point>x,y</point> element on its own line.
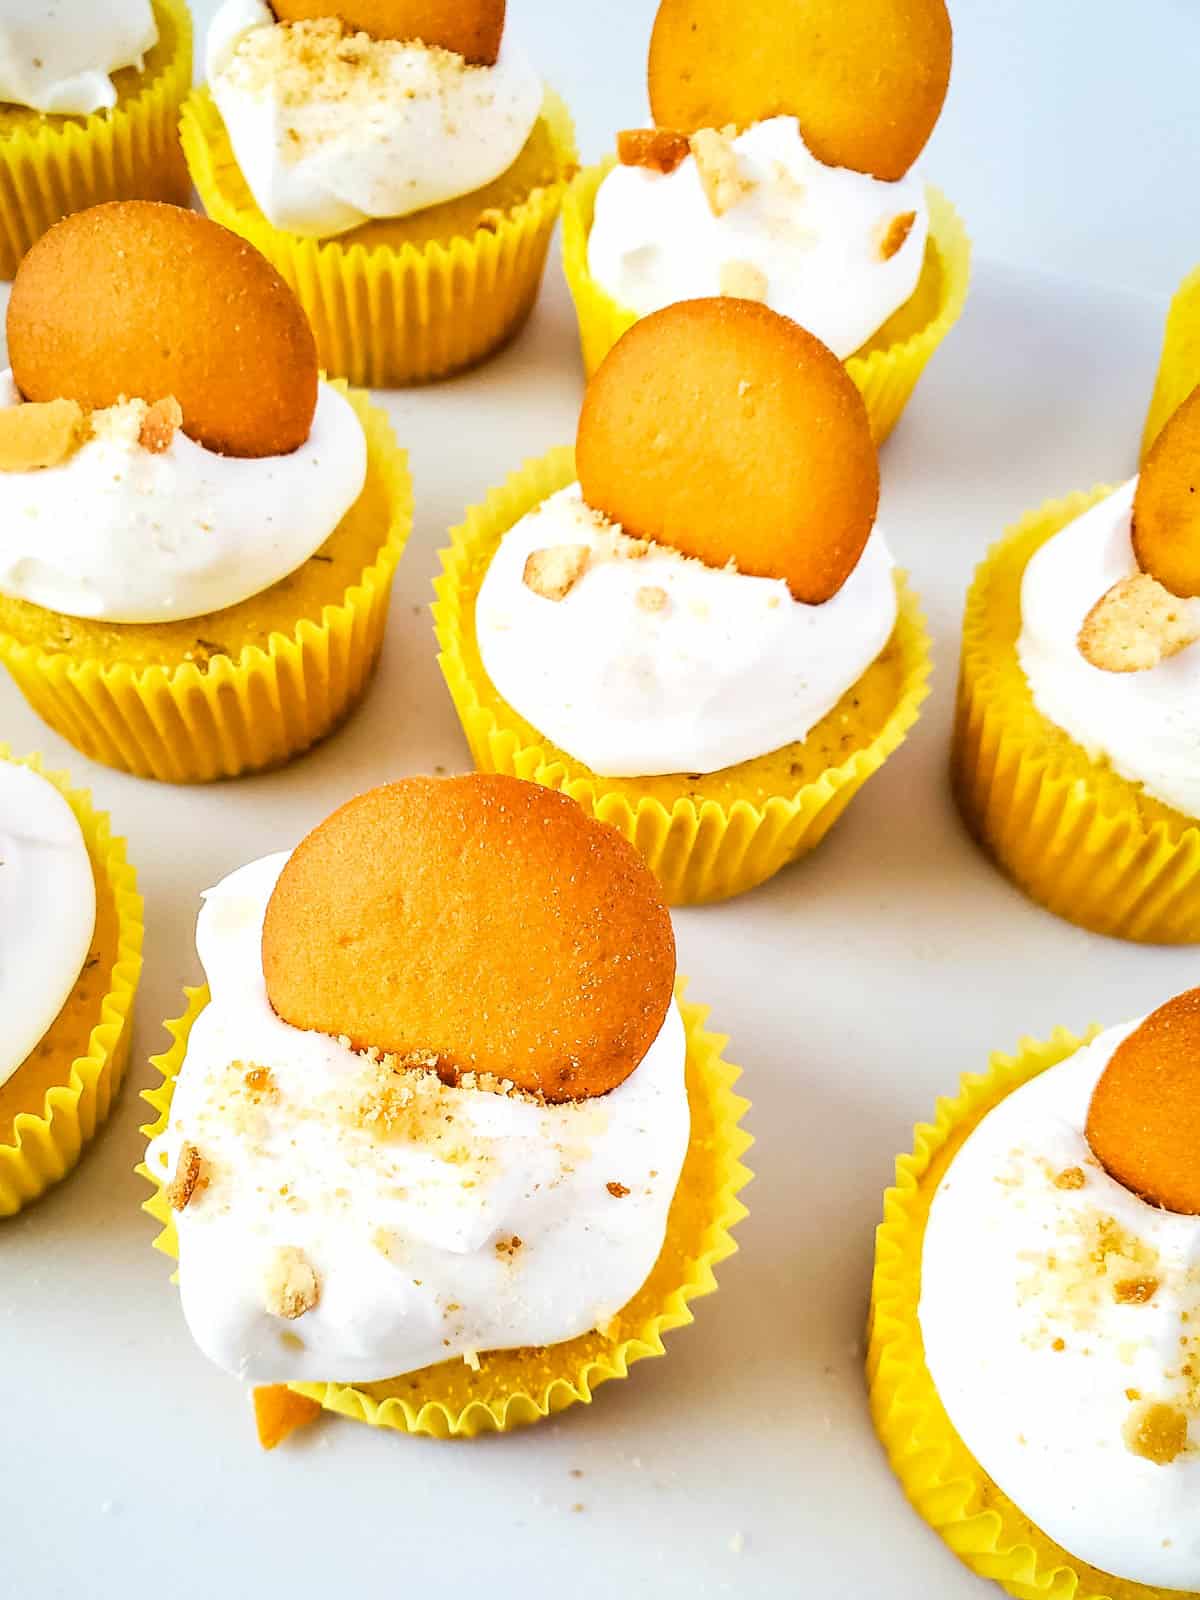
<point>59,58</point>
<point>436,1103</point>
<point>166,449</point>
<point>1108,617</point>
<point>1060,1300</point>
<point>47,909</point>
<point>377,108</point>
<point>778,169</point>
<point>714,582</point>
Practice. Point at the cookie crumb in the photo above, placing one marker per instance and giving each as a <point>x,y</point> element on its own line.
<point>617,1190</point>
<point>893,236</point>
<point>651,598</point>
<point>490,219</point>
<point>1070,1178</point>
<point>716,162</point>
<point>657,149</point>
<point>1136,625</point>
<point>1157,1432</point>
<point>189,1179</point>
<point>161,422</point>
<point>290,1283</point>
<point>554,572</point>
<point>742,280</point>
<point>1135,1291</point>
<point>37,435</point>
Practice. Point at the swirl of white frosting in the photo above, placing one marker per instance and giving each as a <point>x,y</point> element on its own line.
<point>57,57</point>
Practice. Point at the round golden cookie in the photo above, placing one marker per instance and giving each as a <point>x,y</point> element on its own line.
<point>471,28</point>
<point>865,78</point>
<point>482,920</point>
<point>1166,503</point>
<point>140,300</point>
<point>726,431</point>
<point>1144,1120</point>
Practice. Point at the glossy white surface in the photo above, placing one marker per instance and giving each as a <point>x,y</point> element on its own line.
<point>855,987</point>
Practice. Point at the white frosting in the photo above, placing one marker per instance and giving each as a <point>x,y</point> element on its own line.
<point>403,1232</point>
<point>119,534</point>
<point>47,909</point>
<point>729,668</point>
<point>813,231</point>
<point>1147,724</point>
<point>57,56</point>
<point>420,127</point>
<point>1012,1265</point>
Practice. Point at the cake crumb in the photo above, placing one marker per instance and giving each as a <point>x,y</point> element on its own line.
<point>742,280</point>
<point>1156,1431</point>
<point>651,598</point>
<point>160,423</point>
<point>189,1179</point>
<point>36,435</point>
<point>893,236</point>
<point>657,149</point>
<point>1135,626</point>
<point>552,573</point>
<point>716,162</point>
<point>290,1283</point>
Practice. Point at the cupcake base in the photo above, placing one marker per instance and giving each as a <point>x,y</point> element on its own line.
<point>705,837</point>
<point>239,690</point>
<point>1074,835</point>
<point>513,1387</point>
<point>51,166</point>
<point>418,298</point>
<point>941,1478</point>
<point>55,1101</point>
<point>885,370</point>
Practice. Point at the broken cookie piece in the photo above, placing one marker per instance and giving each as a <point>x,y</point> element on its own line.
<point>34,436</point>
<point>554,572</point>
<point>658,149</point>
<point>290,1284</point>
<point>189,1179</point>
<point>892,237</point>
<point>743,281</point>
<point>160,423</point>
<point>717,164</point>
<point>1136,625</point>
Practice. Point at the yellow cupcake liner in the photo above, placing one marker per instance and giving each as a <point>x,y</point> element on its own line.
<point>45,1145</point>
<point>1074,835</point>
<point>1179,364</point>
<point>701,850</point>
<point>237,714</point>
<point>386,316</point>
<point>513,1387</point>
<point>941,1478</point>
<point>55,165</point>
<point>884,373</point>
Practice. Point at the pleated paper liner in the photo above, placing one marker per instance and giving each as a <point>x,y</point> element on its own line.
<point>63,1091</point>
<point>705,838</point>
<point>241,689</point>
<point>409,300</point>
<point>941,1478</point>
<point>513,1387</point>
<point>1074,835</point>
<point>1179,364</point>
<point>887,367</point>
<point>53,165</point>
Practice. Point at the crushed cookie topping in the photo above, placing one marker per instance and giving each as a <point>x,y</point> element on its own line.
<point>1070,1178</point>
<point>160,423</point>
<point>290,1284</point>
<point>1135,626</point>
<point>617,1190</point>
<point>742,280</point>
<point>893,234</point>
<point>651,598</point>
<point>717,163</point>
<point>190,1178</point>
<point>1156,1431</point>
<point>1135,1291</point>
<point>35,435</point>
<point>657,149</point>
<point>552,573</point>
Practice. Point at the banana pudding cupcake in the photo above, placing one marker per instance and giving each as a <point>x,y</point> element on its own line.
<point>200,533</point>
<point>779,169</point>
<point>691,624</point>
<point>70,958</point>
<point>89,110</point>
<point>1033,1362</point>
<point>419,1178</point>
<point>401,163</point>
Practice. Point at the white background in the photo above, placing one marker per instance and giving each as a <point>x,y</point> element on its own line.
<point>856,987</point>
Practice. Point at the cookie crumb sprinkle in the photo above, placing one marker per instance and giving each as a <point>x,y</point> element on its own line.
<point>189,1179</point>
<point>290,1284</point>
<point>716,161</point>
<point>552,573</point>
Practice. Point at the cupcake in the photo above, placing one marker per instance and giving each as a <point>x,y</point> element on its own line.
<point>692,625</point>
<point>70,957</point>
<point>401,163</point>
<point>1032,1359</point>
<point>778,169</point>
<point>200,534</point>
<point>89,110</point>
<point>438,1128</point>
<point>1075,744</point>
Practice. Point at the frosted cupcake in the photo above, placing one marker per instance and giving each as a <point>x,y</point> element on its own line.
<point>89,110</point>
<point>70,957</point>
<point>710,655</point>
<point>1075,750</point>
<point>470,1214</point>
<point>200,533</point>
<point>401,164</point>
<point>779,170</point>
<point>1035,1310</point>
